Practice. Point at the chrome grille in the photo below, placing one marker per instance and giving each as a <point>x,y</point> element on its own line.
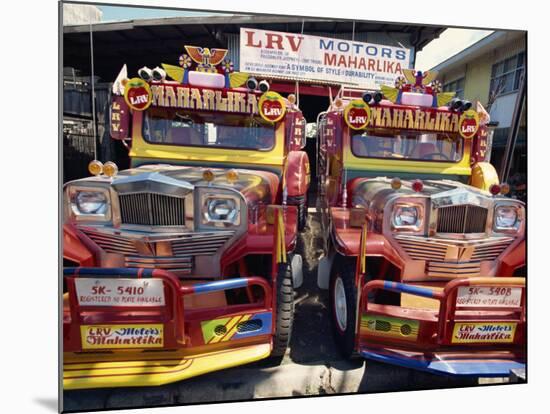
<point>178,251</point>
<point>152,209</point>
<point>461,219</point>
<point>179,265</point>
<point>421,248</point>
<point>112,243</point>
<point>448,270</point>
<point>199,244</point>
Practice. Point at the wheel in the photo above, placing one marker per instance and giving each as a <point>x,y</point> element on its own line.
<point>343,298</point>
<point>285,311</point>
<point>302,213</point>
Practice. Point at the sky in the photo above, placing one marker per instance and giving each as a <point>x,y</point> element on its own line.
<point>450,42</point>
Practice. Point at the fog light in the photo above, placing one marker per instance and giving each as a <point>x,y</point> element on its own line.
<point>251,84</point>
<point>263,86</point>
<point>145,73</point>
<point>158,74</point>
<point>110,169</point>
<point>367,97</point>
<point>95,167</point>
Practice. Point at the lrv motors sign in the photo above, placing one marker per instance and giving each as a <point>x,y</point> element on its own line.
<point>305,57</point>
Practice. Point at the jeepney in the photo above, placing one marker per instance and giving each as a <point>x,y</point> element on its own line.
<point>184,264</point>
<point>425,256</point>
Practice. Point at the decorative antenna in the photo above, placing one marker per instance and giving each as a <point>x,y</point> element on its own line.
<point>344,189</point>
<point>93,90</point>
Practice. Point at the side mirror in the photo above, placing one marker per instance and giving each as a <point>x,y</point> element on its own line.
<point>119,119</point>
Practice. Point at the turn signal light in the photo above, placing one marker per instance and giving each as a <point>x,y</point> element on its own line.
<point>95,167</point>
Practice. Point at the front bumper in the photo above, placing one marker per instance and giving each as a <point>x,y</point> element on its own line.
<point>477,327</point>
<point>113,339</point>
<point>137,369</point>
<point>473,364</point>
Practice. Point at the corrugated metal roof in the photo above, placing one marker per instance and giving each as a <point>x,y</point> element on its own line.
<point>153,41</point>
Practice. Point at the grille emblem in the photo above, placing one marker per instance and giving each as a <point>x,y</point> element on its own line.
<point>459,253</point>
<point>146,248</point>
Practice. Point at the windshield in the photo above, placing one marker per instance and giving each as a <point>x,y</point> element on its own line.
<point>407,145</point>
<point>207,130</point>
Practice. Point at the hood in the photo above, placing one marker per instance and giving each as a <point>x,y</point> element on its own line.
<point>376,192</point>
<point>254,185</point>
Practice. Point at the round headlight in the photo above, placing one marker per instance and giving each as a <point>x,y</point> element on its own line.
<point>506,217</point>
<point>406,216</point>
<point>91,202</point>
<point>222,210</point>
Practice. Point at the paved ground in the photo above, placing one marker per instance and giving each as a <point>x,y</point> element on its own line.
<point>311,367</point>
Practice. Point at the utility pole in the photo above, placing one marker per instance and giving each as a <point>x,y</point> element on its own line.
<point>514,128</point>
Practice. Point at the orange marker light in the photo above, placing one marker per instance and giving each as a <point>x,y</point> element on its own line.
<point>396,183</point>
<point>208,175</point>
<point>232,176</point>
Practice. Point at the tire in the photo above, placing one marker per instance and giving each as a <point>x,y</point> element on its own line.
<point>285,311</point>
<point>342,281</point>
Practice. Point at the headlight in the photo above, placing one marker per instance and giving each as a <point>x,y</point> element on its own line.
<point>506,218</point>
<point>407,217</point>
<point>221,209</point>
<point>91,202</point>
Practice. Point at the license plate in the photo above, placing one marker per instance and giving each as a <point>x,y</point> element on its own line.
<point>494,296</point>
<point>122,336</point>
<point>120,292</point>
<point>487,332</point>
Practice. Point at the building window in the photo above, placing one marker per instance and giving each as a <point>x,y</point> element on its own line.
<point>506,75</point>
<point>455,86</point>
